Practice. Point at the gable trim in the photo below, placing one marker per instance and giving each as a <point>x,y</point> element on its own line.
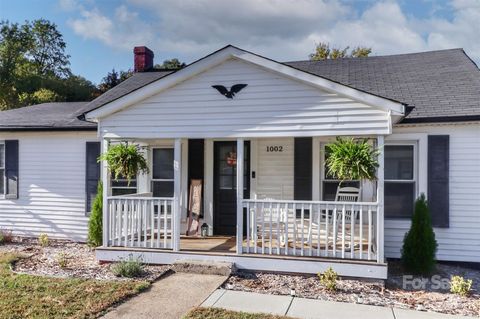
<point>229,52</point>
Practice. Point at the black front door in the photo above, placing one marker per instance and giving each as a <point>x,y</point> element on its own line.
<point>225,186</point>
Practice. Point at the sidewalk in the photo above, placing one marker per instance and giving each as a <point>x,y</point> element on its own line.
<point>169,298</point>
<point>309,308</point>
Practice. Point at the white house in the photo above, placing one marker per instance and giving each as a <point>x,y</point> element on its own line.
<point>422,110</point>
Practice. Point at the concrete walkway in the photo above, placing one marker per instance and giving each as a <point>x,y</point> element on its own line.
<point>309,308</point>
<point>169,298</point>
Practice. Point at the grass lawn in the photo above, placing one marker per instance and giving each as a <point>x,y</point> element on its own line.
<point>217,313</point>
<point>27,296</point>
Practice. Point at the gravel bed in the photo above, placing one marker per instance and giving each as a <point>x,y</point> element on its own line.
<point>378,293</point>
<point>80,261</point>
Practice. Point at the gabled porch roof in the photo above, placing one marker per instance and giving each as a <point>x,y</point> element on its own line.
<point>396,109</point>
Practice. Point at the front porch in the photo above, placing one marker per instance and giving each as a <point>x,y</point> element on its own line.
<point>271,232</point>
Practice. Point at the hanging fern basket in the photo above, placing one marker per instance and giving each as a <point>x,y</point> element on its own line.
<point>125,160</point>
<point>352,159</point>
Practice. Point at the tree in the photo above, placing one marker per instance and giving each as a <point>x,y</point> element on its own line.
<point>13,46</point>
<point>34,66</point>
<point>419,244</point>
<point>360,52</point>
<point>40,96</point>
<point>323,52</point>
<point>113,79</point>
<point>47,50</point>
<point>172,64</point>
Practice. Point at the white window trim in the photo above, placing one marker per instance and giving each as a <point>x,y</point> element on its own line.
<point>416,165</point>
<point>152,180</point>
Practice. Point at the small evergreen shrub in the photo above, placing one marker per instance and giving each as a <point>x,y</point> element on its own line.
<point>130,268</point>
<point>5,236</point>
<point>460,286</point>
<point>329,279</point>
<point>43,240</point>
<point>62,260</point>
<point>95,223</point>
<point>419,245</point>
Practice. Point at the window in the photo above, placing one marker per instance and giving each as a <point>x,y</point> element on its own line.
<point>330,183</point>
<point>400,180</point>
<point>121,186</point>
<point>2,169</point>
<point>162,172</point>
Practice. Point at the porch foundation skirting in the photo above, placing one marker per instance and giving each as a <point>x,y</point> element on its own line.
<point>304,265</point>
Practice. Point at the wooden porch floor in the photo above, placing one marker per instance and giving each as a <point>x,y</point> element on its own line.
<point>227,244</point>
<point>210,244</point>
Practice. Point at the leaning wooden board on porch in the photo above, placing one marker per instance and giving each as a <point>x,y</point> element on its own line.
<point>194,207</point>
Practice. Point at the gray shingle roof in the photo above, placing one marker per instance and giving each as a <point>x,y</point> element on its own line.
<point>136,81</point>
<point>46,116</point>
<point>440,85</point>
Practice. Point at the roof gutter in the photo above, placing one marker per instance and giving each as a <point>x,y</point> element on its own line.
<point>46,128</point>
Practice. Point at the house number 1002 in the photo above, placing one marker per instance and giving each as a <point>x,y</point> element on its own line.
<point>274,148</point>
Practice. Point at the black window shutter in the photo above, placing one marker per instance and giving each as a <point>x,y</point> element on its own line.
<point>11,169</point>
<point>302,182</point>
<point>92,174</point>
<point>438,180</point>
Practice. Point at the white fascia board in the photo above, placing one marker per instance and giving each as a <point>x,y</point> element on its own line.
<point>227,53</point>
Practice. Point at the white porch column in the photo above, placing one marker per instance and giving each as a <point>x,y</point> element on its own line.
<point>177,189</point>
<point>106,186</point>
<point>240,168</point>
<point>380,200</point>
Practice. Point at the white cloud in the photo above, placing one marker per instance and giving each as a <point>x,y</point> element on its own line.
<point>280,29</point>
<point>122,31</point>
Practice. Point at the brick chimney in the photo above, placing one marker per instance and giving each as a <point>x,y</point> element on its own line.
<point>143,59</point>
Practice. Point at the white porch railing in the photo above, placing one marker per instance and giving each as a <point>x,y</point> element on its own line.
<point>312,228</point>
<point>136,221</point>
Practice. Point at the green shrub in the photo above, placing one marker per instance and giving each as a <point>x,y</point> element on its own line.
<point>129,268</point>
<point>460,286</point>
<point>43,240</point>
<point>419,244</point>
<point>329,279</point>
<point>95,223</point>
<point>62,260</point>
<point>5,236</point>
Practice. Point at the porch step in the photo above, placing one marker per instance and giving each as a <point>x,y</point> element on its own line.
<point>204,267</point>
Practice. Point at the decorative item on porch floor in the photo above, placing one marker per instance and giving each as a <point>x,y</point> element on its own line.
<point>194,207</point>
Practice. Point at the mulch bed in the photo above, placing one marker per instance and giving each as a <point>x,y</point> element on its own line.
<point>378,293</point>
<point>80,261</point>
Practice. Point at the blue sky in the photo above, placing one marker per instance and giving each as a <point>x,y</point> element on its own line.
<point>100,35</point>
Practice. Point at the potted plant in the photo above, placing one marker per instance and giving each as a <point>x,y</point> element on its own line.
<point>352,159</point>
<point>125,160</point>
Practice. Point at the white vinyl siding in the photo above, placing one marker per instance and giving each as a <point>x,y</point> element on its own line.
<point>271,105</point>
<point>275,169</point>
<point>51,185</point>
<point>2,169</point>
<point>461,241</point>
